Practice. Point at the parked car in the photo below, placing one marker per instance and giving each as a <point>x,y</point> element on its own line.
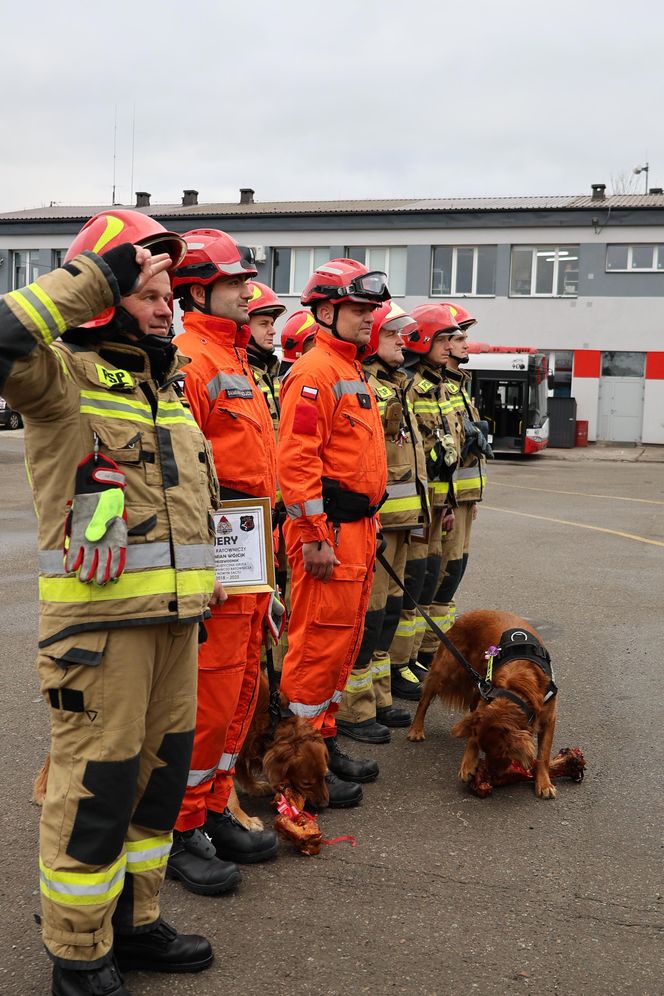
<point>8,417</point>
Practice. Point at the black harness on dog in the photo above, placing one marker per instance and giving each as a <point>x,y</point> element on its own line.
<point>519,644</point>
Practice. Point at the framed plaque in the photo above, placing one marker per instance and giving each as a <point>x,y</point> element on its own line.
<point>243,547</point>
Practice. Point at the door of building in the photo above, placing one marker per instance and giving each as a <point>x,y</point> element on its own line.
<point>621,392</point>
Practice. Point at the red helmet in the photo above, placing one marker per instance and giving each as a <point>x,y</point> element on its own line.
<point>297,330</point>
<point>264,301</point>
<point>389,314</point>
<point>212,254</point>
<point>462,317</point>
<point>431,319</point>
<point>345,280</point>
<point>112,228</point>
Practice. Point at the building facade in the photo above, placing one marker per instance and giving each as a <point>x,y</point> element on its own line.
<point>581,278</point>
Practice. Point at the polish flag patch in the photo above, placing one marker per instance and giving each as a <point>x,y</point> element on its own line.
<point>309,392</point>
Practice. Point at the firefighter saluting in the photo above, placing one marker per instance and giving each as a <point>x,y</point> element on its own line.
<point>106,433</point>
<point>332,474</point>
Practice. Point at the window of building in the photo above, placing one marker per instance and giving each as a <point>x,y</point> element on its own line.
<point>467,270</point>
<point>57,258</point>
<point>291,268</point>
<point>623,364</point>
<point>389,259</point>
<point>560,365</point>
<point>25,267</point>
<point>648,258</point>
<point>544,271</point>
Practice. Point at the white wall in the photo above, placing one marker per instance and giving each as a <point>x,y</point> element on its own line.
<point>653,412</point>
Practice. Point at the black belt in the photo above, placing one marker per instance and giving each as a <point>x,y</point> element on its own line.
<point>341,505</point>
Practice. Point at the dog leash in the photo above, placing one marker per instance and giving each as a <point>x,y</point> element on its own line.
<point>484,687</point>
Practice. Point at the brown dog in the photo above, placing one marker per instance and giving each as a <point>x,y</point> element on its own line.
<point>296,756</point>
<point>499,728</point>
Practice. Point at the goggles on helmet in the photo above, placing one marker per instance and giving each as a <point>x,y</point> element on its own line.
<point>371,287</point>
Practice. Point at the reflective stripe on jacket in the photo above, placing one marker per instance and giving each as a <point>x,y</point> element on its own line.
<point>71,393</point>
<point>407,503</point>
<point>330,427</point>
<point>470,477</point>
<point>228,404</point>
<point>435,417</point>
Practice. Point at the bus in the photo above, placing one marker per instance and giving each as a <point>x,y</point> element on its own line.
<point>510,389</point>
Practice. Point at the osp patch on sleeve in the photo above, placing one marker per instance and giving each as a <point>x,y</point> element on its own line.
<point>309,392</point>
<point>306,419</point>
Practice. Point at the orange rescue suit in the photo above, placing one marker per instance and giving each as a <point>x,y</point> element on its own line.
<point>230,409</point>
<point>330,427</point>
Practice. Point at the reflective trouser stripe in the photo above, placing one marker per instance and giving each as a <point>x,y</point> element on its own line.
<point>406,628</point>
<point>380,668</point>
<point>359,682</point>
<point>82,888</point>
<point>146,855</point>
<point>227,761</point>
<point>140,584</point>
<point>311,711</point>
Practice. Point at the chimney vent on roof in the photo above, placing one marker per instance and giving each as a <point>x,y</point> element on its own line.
<point>142,199</point>
<point>246,195</point>
<point>656,190</point>
<point>599,191</point>
<point>189,198</point>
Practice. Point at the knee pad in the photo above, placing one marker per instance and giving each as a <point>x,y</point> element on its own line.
<point>451,581</point>
<point>430,579</point>
<point>159,805</point>
<point>390,622</point>
<point>373,623</point>
<point>102,818</point>
<point>413,580</point>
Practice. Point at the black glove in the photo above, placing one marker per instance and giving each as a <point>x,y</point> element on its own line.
<point>122,262</point>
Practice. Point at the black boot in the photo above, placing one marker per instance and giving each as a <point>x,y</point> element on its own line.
<point>368,731</point>
<point>420,669</point>
<point>193,861</point>
<point>162,949</point>
<point>347,768</point>
<point>104,981</point>
<point>393,716</point>
<point>343,795</point>
<point>234,842</point>
<point>405,685</point>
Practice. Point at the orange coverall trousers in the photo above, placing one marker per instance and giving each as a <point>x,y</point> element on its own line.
<point>326,622</point>
<point>228,679</point>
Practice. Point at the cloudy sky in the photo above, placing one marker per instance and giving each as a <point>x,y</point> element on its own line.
<point>337,99</point>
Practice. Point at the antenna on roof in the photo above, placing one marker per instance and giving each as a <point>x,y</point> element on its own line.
<point>133,146</point>
<point>115,147</point>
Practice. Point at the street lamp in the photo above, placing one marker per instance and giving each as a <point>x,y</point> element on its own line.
<point>643,169</point>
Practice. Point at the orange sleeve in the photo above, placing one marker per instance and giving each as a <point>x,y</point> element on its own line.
<point>307,406</point>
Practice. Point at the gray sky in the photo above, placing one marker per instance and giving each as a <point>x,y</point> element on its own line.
<point>342,99</point>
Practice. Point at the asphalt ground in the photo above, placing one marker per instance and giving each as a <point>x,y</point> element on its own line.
<point>444,893</point>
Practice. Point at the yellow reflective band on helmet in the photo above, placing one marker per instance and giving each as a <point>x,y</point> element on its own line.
<point>255,293</point>
<point>307,323</point>
<point>114,378</point>
<point>146,855</point>
<point>82,888</point>
<point>113,227</point>
<point>138,584</point>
